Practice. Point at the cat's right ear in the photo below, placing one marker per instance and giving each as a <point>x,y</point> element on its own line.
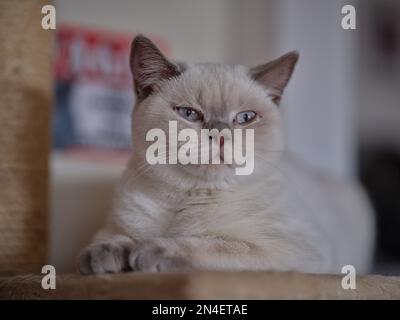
<point>148,66</point>
<point>275,75</point>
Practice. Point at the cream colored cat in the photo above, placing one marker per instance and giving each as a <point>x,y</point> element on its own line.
<point>205,217</point>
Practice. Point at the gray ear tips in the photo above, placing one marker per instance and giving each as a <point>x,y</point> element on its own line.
<point>138,41</point>
<point>139,45</point>
<point>293,56</point>
<point>140,38</point>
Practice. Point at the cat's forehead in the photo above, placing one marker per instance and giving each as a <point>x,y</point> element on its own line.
<point>215,87</point>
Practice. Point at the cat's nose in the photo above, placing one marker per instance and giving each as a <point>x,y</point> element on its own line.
<point>219,125</point>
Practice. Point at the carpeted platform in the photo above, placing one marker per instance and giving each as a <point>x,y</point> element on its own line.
<point>224,285</point>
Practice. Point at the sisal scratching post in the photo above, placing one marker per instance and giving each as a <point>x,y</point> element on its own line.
<point>25,100</point>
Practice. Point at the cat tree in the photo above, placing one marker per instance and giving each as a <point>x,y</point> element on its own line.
<point>25,100</point>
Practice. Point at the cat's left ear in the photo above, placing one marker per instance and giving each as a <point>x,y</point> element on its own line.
<point>149,66</point>
<point>275,75</point>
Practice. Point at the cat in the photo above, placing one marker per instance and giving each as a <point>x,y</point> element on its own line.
<point>179,218</point>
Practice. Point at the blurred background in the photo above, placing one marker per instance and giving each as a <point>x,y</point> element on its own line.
<point>342,106</point>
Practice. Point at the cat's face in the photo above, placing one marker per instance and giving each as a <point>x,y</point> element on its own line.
<point>208,96</point>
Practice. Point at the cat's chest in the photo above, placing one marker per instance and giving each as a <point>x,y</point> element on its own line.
<point>198,200</point>
<point>214,212</point>
<point>204,202</point>
<point>240,202</point>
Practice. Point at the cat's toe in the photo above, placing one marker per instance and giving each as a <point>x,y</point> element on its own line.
<point>157,258</point>
<point>103,258</point>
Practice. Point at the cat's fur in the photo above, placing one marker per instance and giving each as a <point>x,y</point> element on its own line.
<point>204,217</point>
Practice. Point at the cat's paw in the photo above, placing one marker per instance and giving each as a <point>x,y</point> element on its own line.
<point>158,257</point>
<point>104,258</point>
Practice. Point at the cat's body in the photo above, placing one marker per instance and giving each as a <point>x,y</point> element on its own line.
<point>204,217</point>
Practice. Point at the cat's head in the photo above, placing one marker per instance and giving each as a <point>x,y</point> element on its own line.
<point>207,96</point>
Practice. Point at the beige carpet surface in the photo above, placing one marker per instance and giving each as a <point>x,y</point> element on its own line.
<point>208,285</point>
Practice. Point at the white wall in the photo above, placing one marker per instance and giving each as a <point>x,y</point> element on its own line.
<point>320,102</point>
<point>195,29</point>
<point>81,193</point>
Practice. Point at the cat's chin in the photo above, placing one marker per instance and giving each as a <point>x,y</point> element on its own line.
<point>217,175</point>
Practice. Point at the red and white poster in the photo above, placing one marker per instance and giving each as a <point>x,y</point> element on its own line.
<point>94,92</point>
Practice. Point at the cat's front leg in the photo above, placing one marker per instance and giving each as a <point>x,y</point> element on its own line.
<point>160,255</point>
<point>195,253</point>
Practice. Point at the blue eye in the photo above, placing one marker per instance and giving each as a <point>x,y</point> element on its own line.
<point>245,117</point>
<point>189,113</point>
